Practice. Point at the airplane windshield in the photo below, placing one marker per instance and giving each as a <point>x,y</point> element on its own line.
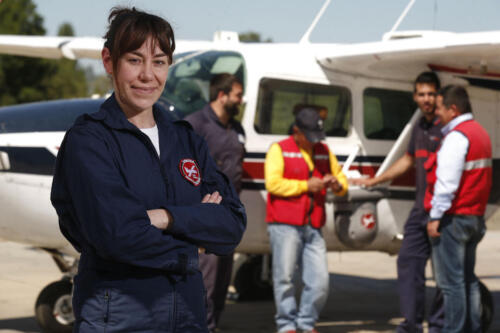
<point>188,86</point>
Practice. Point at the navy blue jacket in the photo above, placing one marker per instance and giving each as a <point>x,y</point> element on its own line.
<point>133,276</point>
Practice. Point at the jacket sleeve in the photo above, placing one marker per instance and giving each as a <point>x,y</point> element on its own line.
<point>216,228</point>
<point>273,172</point>
<point>339,174</point>
<point>108,216</point>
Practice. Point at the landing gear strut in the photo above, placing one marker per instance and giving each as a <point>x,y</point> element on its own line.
<point>53,307</point>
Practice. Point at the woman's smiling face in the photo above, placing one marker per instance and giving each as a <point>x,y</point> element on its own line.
<point>139,78</point>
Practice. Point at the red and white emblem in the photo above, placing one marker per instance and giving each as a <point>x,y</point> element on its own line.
<point>368,221</point>
<point>189,170</point>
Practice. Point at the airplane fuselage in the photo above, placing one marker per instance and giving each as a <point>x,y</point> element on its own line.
<point>366,116</point>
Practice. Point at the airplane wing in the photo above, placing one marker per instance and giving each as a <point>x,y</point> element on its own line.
<point>72,47</point>
<point>467,54</point>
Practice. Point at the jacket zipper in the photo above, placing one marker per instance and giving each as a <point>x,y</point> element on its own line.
<point>174,309</point>
<point>107,298</point>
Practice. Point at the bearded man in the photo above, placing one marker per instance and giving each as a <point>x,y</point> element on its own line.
<point>226,142</point>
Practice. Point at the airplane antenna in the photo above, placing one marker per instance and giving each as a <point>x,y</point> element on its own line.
<point>305,38</point>
<point>402,16</point>
<point>435,14</point>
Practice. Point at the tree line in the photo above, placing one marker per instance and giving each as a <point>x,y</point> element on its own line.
<point>27,79</point>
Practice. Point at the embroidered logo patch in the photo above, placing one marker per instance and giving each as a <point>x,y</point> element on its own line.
<point>368,221</point>
<point>189,170</point>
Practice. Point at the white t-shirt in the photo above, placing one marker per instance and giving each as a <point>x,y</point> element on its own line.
<point>152,133</point>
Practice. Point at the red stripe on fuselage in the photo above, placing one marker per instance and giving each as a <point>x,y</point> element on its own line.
<point>255,171</point>
<point>464,71</point>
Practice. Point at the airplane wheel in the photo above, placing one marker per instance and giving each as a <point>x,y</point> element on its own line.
<point>53,309</point>
<point>487,308</point>
<point>248,281</point>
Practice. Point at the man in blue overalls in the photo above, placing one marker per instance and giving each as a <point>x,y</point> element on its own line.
<point>226,142</point>
<point>416,249</point>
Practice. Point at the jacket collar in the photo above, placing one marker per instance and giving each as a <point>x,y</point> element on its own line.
<point>424,124</point>
<point>456,121</point>
<point>112,115</point>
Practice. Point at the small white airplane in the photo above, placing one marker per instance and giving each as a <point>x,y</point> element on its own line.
<point>367,88</point>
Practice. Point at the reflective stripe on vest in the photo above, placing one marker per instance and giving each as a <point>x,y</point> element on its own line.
<point>291,154</point>
<point>321,157</point>
<point>478,164</point>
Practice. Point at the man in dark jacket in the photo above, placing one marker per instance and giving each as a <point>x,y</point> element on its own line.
<point>225,139</point>
<point>132,275</point>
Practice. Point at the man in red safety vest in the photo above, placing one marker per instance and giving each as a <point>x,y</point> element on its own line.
<point>298,172</point>
<point>459,182</point>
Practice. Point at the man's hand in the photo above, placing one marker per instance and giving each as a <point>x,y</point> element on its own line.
<point>366,182</point>
<point>160,218</point>
<point>432,228</point>
<point>315,184</point>
<point>332,182</point>
<point>212,198</point>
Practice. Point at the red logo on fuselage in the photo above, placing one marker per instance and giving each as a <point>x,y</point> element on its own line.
<point>368,221</point>
<point>189,170</point>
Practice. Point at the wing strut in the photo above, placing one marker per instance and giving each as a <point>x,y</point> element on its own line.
<point>401,17</point>
<point>305,38</point>
<point>399,147</point>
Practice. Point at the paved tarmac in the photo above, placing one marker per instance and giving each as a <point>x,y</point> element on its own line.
<point>363,296</point>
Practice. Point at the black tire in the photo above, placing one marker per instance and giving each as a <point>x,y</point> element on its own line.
<point>45,304</point>
<point>248,282</point>
<point>487,308</point>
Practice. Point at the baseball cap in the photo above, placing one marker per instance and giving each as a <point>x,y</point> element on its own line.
<point>310,123</point>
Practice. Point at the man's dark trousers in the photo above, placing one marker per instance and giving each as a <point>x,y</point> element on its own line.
<point>216,277</point>
<point>412,259</point>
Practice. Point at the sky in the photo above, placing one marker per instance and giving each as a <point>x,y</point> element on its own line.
<point>344,21</point>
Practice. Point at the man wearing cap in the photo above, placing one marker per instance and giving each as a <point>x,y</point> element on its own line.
<point>298,171</point>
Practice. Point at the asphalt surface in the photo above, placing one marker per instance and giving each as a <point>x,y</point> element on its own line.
<point>363,296</point>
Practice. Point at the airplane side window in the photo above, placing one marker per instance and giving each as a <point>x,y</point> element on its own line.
<point>386,112</point>
<point>278,99</point>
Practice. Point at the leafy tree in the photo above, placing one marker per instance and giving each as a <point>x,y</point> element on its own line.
<point>66,79</point>
<point>66,29</point>
<point>25,79</point>
<point>20,18</point>
<point>20,77</point>
<point>252,37</point>
<point>97,84</point>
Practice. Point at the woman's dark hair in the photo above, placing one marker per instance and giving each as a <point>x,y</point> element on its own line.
<point>129,28</point>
